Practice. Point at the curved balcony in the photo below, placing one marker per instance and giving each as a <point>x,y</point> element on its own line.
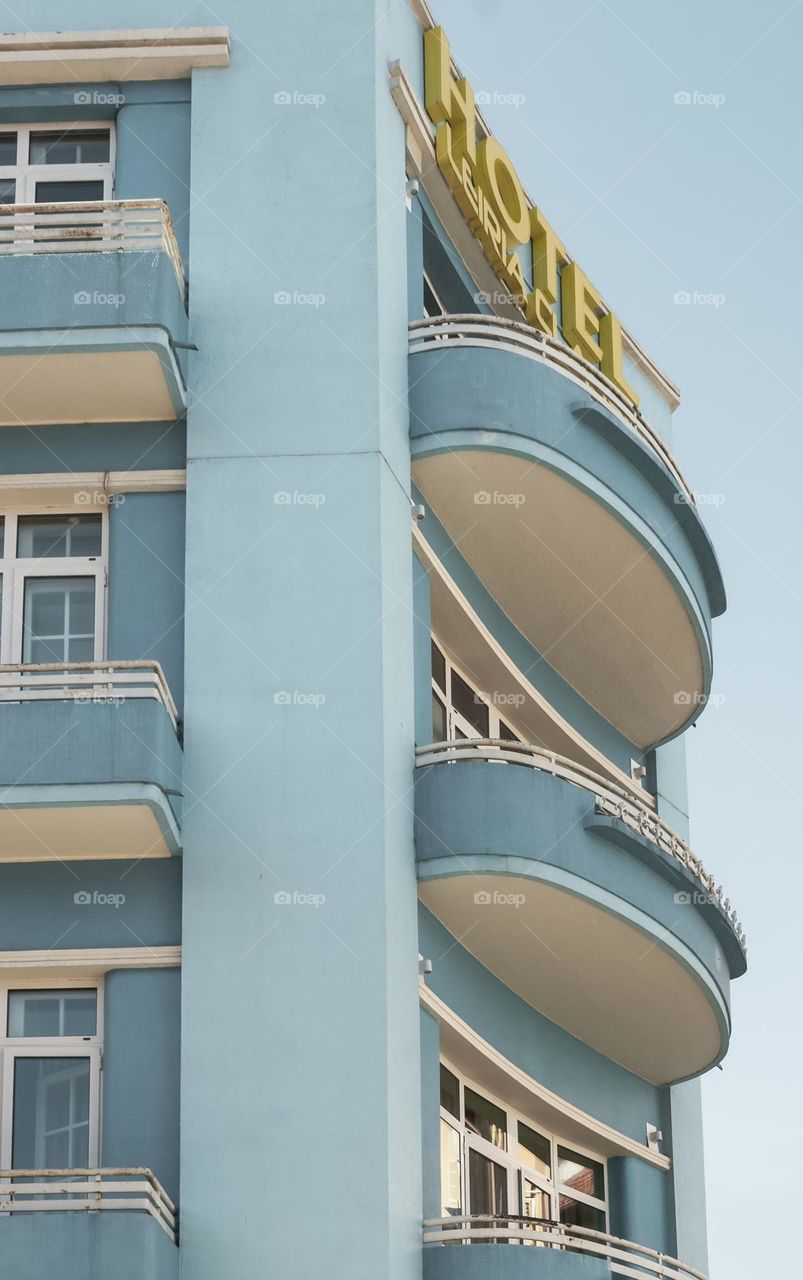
<point>93,308</point>
<point>628,945</point>
<point>574,1253</point>
<point>90,762</point>
<point>571,512</point>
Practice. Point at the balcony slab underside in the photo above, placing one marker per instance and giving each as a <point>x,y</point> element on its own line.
<point>575,526</point>
<point>88,780</point>
<point>90,337</point>
<point>612,947</point>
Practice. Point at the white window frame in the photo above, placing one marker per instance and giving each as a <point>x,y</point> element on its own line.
<point>517,1171</point>
<point>455,722</point>
<point>15,570</point>
<point>26,175</point>
<point>14,1047</point>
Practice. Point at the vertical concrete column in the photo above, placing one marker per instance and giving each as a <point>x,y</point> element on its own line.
<point>300,1040</point>
<point>688,1173</point>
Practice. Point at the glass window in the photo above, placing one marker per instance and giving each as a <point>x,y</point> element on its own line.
<point>531,1176</point>
<point>40,536</point>
<point>59,620</point>
<point>51,1113</point>
<point>535,1151</point>
<point>451,1172</point>
<point>64,192</point>
<point>487,1185</point>
<point>439,730</point>
<point>52,1013</point>
<point>438,667</point>
<point>535,1201</point>
<point>8,148</point>
<point>486,1119</point>
<point>8,191</point>
<point>507,733</point>
<point>450,1092</point>
<point>70,146</point>
<point>469,705</point>
<point>581,1173</point>
<point>576,1214</point>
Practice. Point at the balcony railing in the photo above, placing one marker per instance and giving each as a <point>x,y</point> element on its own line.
<point>476,330</point>
<point>102,226</point>
<point>625,1257</point>
<point>609,799</point>
<point>86,682</point>
<point>87,1191</point>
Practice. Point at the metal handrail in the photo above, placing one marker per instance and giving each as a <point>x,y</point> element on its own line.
<point>623,1255</point>
<point>87,1190</point>
<point>610,800</point>
<point>76,682</point>
<point>478,330</point>
<point>87,226</point>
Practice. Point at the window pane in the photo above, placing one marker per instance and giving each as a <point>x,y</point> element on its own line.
<point>2,535</point>
<point>487,1185</point>
<point>486,1119</point>
<point>64,192</point>
<point>470,705</point>
<point>52,1013</point>
<point>581,1173</point>
<point>58,620</point>
<point>576,1214</point>
<point>507,733</point>
<point>71,146</point>
<point>450,1092</point>
<point>438,667</point>
<point>8,189</point>
<point>50,1113</point>
<point>535,1201</point>
<point>438,719</point>
<point>451,1191</point>
<point>8,148</point>
<point>40,536</point>
<point>535,1150</point>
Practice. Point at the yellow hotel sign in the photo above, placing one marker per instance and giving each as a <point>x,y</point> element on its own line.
<point>485,185</point>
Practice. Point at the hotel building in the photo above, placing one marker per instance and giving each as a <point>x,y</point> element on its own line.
<point>354,609</point>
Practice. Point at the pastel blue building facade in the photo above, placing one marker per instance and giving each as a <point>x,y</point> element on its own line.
<point>350,628</point>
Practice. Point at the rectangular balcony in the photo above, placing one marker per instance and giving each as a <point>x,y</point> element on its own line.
<point>79,1222</point>
<point>90,762</point>
<point>93,309</point>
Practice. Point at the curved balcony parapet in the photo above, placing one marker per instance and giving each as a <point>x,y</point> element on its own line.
<point>610,801</point>
<point>581,900</point>
<point>623,1256</point>
<point>570,511</point>
<point>476,330</point>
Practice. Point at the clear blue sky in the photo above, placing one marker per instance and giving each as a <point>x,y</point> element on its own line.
<point>655,197</point>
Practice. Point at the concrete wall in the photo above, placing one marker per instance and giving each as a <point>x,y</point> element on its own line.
<point>318,1145</point>
<point>141,1100</point>
<point>146,583</point>
<point>38,910</point>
